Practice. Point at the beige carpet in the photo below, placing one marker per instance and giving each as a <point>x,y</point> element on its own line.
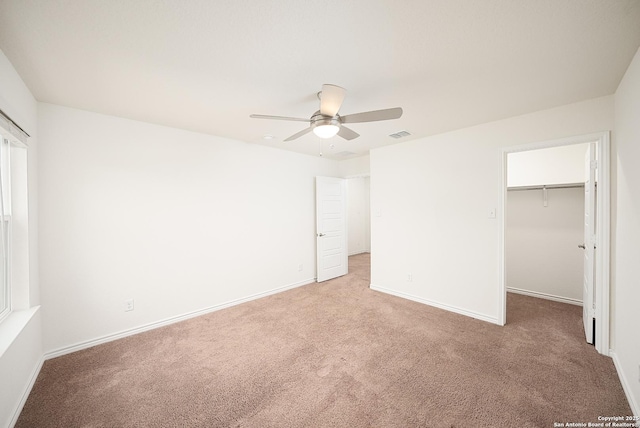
<point>336,354</point>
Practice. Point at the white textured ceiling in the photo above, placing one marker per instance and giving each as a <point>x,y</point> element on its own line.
<point>205,65</point>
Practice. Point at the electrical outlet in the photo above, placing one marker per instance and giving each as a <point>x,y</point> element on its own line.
<point>128,305</point>
<point>300,267</point>
<point>409,277</point>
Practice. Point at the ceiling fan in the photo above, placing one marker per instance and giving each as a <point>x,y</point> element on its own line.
<point>326,122</point>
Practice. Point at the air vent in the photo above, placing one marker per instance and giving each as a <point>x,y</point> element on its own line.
<point>344,154</point>
<point>399,134</point>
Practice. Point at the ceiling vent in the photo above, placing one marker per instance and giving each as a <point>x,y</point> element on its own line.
<point>399,134</point>
<point>345,154</point>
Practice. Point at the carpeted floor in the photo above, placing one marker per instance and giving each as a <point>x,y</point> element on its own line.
<point>336,354</point>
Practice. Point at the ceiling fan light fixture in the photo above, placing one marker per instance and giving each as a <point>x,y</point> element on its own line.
<point>326,131</point>
<point>326,122</point>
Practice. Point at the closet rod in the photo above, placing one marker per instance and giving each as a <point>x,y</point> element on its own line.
<point>548,186</point>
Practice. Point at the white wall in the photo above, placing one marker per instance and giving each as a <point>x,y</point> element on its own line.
<point>359,221</point>
<point>626,277</point>
<point>20,333</point>
<point>355,167</point>
<point>541,243</point>
<point>555,165</point>
<point>176,220</point>
<point>430,200</point>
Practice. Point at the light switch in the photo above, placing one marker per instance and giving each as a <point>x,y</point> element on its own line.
<point>492,213</point>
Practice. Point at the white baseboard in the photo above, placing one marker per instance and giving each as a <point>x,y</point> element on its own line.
<point>359,252</point>
<point>115,336</point>
<point>635,408</point>
<point>449,308</point>
<point>27,391</point>
<point>545,296</point>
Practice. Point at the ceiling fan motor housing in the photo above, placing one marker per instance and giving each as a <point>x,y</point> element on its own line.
<point>319,119</point>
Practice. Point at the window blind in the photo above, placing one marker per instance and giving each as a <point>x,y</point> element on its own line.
<point>12,128</point>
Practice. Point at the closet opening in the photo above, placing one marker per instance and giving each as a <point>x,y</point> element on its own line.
<point>555,228</point>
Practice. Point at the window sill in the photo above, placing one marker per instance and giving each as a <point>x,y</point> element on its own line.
<point>13,325</point>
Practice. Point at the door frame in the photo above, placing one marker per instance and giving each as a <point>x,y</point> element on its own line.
<point>603,231</point>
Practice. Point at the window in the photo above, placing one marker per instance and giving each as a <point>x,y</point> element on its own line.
<point>14,236</point>
<point>5,225</point>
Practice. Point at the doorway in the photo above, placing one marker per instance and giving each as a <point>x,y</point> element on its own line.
<point>600,310</point>
<point>343,226</point>
<point>359,215</point>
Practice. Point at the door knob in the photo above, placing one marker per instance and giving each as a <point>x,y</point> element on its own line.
<point>584,247</point>
<point>320,234</point>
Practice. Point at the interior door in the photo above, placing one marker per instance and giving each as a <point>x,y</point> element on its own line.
<point>331,228</point>
<point>589,242</point>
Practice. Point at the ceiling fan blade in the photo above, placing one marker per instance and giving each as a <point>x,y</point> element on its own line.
<point>331,99</point>
<point>372,116</point>
<point>299,134</point>
<point>347,134</point>
<point>266,116</point>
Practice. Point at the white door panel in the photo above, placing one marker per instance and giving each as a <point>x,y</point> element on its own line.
<point>331,228</point>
